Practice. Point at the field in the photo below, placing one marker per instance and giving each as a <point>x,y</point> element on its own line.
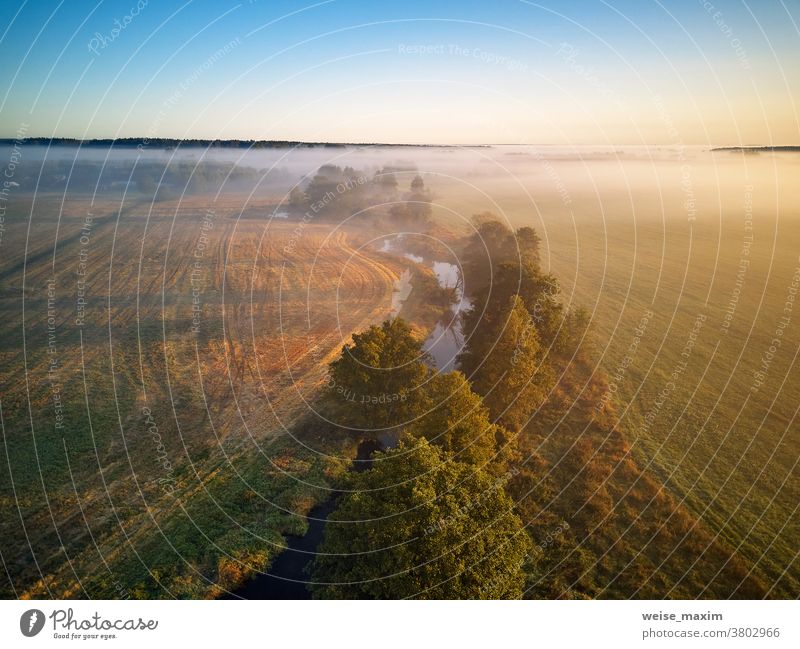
<point>721,438</point>
<point>160,361</point>
<point>162,411</point>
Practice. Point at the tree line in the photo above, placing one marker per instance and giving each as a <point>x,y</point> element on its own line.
<point>336,192</point>
<point>438,515</point>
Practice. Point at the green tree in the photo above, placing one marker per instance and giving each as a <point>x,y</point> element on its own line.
<point>493,243</point>
<point>415,208</point>
<point>504,360</point>
<point>418,525</point>
<point>539,293</point>
<point>322,188</point>
<point>573,337</point>
<point>486,248</point>
<point>386,180</point>
<point>456,420</point>
<point>377,381</point>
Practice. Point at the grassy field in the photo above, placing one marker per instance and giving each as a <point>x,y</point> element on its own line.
<point>722,440</point>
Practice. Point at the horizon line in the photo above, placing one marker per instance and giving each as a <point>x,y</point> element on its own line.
<point>145,143</point>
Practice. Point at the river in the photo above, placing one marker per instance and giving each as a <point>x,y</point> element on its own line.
<point>446,340</point>
<point>288,574</point>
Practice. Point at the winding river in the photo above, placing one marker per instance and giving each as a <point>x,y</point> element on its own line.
<point>288,574</point>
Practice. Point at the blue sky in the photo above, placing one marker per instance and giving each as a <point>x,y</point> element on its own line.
<point>695,72</point>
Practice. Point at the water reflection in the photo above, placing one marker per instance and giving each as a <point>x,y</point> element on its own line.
<point>446,340</point>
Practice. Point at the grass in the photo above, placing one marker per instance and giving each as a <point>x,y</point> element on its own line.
<point>716,458</point>
<point>726,452</point>
<point>176,470</point>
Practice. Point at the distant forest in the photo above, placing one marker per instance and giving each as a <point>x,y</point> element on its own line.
<point>174,143</point>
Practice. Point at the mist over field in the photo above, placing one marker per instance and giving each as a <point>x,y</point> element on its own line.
<point>201,293</point>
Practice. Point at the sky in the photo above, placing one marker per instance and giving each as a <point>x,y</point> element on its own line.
<point>690,72</point>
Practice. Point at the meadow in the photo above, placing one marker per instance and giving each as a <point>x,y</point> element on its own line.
<point>160,359</point>
<point>669,234</point>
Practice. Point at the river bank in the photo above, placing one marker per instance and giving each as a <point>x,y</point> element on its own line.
<point>287,577</point>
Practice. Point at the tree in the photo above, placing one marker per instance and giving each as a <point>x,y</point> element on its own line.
<point>504,361</point>
<point>539,293</point>
<point>527,245</point>
<point>419,201</point>
<point>298,201</point>
<point>419,525</point>
<point>322,187</point>
<point>493,245</point>
<point>415,208</point>
<point>572,339</point>
<point>377,381</point>
<point>485,248</point>
<point>456,420</point>
<point>386,180</point>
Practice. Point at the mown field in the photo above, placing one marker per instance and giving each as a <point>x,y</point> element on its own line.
<point>149,435</point>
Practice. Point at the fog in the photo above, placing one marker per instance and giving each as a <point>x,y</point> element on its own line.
<point>483,161</point>
<point>519,183</point>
